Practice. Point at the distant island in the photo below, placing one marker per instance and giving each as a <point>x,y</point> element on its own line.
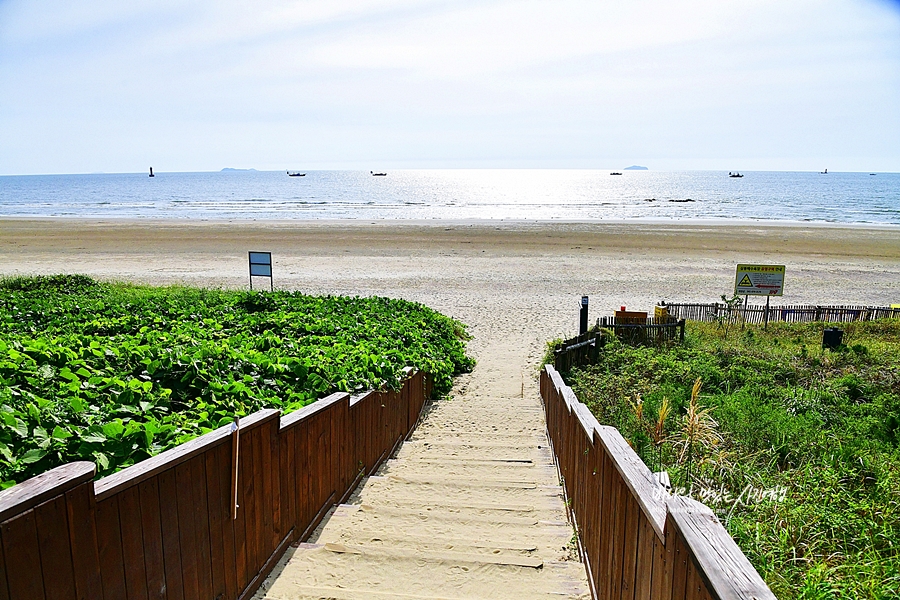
<point>636,168</point>
<point>226,169</point>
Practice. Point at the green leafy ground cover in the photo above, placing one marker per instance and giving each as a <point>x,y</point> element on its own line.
<point>795,448</point>
<point>116,373</point>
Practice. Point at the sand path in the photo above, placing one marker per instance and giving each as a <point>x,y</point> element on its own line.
<point>470,507</point>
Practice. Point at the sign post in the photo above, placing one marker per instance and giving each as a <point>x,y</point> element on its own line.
<point>261,266</point>
<point>759,280</point>
<point>583,316</point>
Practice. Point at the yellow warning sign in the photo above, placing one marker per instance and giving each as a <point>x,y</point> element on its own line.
<point>759,280</point>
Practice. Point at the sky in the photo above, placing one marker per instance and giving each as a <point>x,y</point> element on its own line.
<point>113,86</point>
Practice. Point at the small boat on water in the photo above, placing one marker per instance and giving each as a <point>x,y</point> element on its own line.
<point>615,173</point>
<point>296,174</point>
<point>374,174</point>
<point>825,172</point>
<point>151,172</point>
<point>730,174</point>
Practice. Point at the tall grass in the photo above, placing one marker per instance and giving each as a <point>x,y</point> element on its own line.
<point>796,448</point>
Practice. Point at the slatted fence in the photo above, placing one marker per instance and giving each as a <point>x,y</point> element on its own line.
<point>583,349</point>
<point>794,313</point>
<point>166,528</point>
<point>636,540</point>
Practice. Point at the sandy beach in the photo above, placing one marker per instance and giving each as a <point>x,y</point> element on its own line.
<point>515,283</point>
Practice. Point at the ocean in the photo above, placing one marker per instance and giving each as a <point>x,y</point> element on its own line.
<point>532,194</point>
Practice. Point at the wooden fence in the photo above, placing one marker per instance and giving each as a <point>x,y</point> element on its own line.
<point>799,313</point>
<point>584,349</point>
<point>167,527</point>
<point>578,351</point>
<point>636,540</point>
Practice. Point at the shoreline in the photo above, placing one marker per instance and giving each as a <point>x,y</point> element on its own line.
<point>640,221</point>
<point>161,238</point>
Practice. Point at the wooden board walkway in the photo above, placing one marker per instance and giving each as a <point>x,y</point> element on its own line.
<point>470,507</point>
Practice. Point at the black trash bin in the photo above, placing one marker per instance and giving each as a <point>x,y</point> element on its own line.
<point>832,337</point>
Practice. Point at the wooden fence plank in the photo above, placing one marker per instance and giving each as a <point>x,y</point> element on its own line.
<point>679,567</point>
<point>254,500</point>
<point>607,530</point>
<point>594,506</point>
<point>154,559</point>
<point>83,541</point>
<point>694,588</point>
<point>663,563</point>
<point>594,546</point>
<point>239,525</point>
<point>187,538</point>
<point>220,466</point>
<point>20,548</point>
<point>56,556</point>
<point>644,561</point>
<point>285,480</point>
<point>618,537</point>
<point>629,553</point>
<point>4,586</point>
<point>109,545</point>
<point>168,512</point>
<point>274,477</point>
<point>130,526</point>
<point>305,510</point>
<point>243,524</point>
<point>216,537</point>
<point>201,523</point>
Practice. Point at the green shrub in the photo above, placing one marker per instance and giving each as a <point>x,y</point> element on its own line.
<point>116,373</point>
<point>820,428</point>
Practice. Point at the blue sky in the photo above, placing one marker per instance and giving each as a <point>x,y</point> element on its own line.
<point>112,86</point>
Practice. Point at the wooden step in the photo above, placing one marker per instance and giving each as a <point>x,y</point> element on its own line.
<point>320,569</point>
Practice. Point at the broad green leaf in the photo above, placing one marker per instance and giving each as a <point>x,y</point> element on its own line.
<point>76,404</point>
<point>61,434</point>
<point>102,460</point>
<point>32,456</point>
<point>94,437</point>
<point>20,427</point>
<point>113,428</point>
<point>41,437</point>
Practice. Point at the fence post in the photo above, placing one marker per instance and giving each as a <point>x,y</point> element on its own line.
<point>582,326</point>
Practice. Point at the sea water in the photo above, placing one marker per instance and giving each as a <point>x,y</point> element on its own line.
<point>565,195</point>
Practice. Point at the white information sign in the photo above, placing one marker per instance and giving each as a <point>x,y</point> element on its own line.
<point>759,280</point>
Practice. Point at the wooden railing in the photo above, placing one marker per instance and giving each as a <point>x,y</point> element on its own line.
<point>799,313</point>
<point>167,527</point>
<point>636,540</point>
